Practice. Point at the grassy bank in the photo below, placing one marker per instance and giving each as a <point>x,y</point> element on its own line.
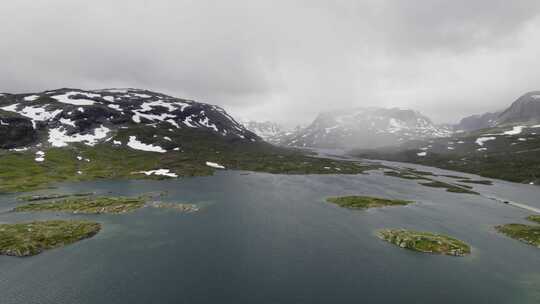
<point>27,239</point>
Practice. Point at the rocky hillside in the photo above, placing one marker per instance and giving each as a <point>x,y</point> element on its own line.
<point>59,117</point>
<point>366,128</point>
<point>77,135</point>
<point>510,153</point>
<point>524,110</point>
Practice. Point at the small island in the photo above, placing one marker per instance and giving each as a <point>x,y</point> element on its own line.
<point>87,205</point>
<point>525,233</point>
<point>534,218</point>
<point>425,242</point>
<point>478,182</point>
<point>450,187</point>
<point>187,208</point>
<point>403,174</point>
<point>27,239</point>
<point>43,197</point>
<point>365,202</point>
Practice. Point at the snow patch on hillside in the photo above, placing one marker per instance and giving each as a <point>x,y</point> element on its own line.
<point>214,165</point>
<point>137,145</point>
<point>161,172</point>
<point>58,137</point>
<point>481,140</point>
<point>66,98</point>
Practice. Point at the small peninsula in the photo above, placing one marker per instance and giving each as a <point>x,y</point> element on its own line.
<point>87,205</point>
<point>27,239</point>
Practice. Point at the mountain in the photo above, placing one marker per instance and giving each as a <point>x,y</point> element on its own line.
<point>504,145</point>
<point>524,110</point>
<point>476,122</point>
<point>269,131</point>
<point>79,135</point>
<point>365,127</point>
<point>58,117</point>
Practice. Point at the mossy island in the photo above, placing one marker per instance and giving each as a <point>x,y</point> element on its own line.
<point>450,187</point>
<point>181,207</point>
<point>87,205</point>
<point>365,202</point>
<point>27,239</point>
<point>525,233</point>
<point>425,242</point>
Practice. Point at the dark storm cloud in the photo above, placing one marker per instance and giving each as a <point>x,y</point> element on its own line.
<point>281,60</point>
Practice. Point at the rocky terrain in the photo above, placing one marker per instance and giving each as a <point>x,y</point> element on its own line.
<point>76,135</point>
<point>508,149</point>
<point>365,128</point>
<point>425,242</point>
<point>59,117</point>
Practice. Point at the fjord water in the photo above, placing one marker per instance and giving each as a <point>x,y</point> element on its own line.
<point>262,238</point>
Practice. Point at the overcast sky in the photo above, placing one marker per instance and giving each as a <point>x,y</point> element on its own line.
<point>281,60</point>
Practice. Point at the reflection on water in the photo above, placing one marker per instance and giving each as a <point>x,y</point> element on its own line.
<point>262,238</point>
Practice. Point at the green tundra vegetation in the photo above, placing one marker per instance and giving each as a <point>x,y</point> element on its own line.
<point>365,202</point>
<point>403,174</point>
<point>188,208</point>
<point>525,233</point>
<point>87,205</point>
<point>425,242</point>
<point>479,182</point>
<point>36,197</point>
<point>27,239</point>
<point>20,172</point>
<point>449,187</point>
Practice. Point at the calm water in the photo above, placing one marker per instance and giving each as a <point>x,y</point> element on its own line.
<point>263,238</point>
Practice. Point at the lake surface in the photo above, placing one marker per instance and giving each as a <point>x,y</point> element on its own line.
<point>262,238</point>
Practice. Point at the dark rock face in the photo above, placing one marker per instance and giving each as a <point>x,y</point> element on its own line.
<point>15,131</point>
<point>476,122</point>
<point>58,117</point>
<point>525,109</point>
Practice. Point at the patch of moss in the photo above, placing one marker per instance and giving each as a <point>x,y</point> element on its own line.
<point>365,202</point>
<point>87,205</point>
<point>402,174</point>
<point>20,172</point>
<point>35,197</point>
<point>479,182</point>
<point>425,242</point>
<point>449,187</point>
<point>534,218</point>
<point>524,233</point>
<point>188,208</point>
<point>27,239</point>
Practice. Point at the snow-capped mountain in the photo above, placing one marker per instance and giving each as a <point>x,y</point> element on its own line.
<point>366,127</point>
<point>269,131</point>
<point>57,118</point>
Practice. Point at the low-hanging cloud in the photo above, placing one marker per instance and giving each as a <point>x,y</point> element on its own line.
<point>281,60</point>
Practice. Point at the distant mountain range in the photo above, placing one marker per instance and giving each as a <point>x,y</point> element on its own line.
<point>79,135</point>
<point>269,131</point>
<point>525,110</point>
<point>359,127</point>
<point>503,144</point>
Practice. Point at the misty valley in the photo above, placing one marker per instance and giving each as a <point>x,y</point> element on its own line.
<point>130,194</point>
<point>270,152</point>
